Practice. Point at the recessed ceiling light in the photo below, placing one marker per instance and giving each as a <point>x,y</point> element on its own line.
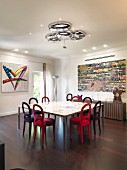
<point>16,49</point>
<point>26,52</point>
<point>81,26</point>
<point>105,45</point>
<point>94,48</point>
<point>30,33</point>
<point>89,35</point>
<point>84,50</point>
<point>41,25</point>
<point>59,19</point>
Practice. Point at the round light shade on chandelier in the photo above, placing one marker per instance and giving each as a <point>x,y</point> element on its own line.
<point>78,35</point>
<point>61,30</point>
<point>59,26</point>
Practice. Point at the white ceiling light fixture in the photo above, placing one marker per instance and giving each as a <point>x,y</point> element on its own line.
<point>26,52</point>
<point>62,30</point>
<point>84,50</point>
<point>94,48</point>
<point>105,45</point>
<point>16,50</point>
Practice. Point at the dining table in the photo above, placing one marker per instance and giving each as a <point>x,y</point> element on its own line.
<point>62,109</point>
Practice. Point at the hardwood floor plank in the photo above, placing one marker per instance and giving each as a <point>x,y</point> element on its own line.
<point>107,151</point>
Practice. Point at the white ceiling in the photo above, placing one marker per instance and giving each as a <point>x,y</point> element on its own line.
<point>104,20</point>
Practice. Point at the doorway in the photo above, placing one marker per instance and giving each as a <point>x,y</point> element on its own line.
<point>38,85</point>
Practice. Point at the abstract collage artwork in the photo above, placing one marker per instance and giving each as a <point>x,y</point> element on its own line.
<point>14,77</point>
<point>102,77</point>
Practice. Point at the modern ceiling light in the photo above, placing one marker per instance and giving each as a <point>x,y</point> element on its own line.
<point>105,45</point>
<point>84,50</point>
<point>94,48</point>
<point>63,30</point>
<point>52,37</point>
<point>59,26</point>
<point>78,35</point>
<point>16,49</point>
<point>26,52</point>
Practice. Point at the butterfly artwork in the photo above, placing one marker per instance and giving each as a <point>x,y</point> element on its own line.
<point>14,77</point>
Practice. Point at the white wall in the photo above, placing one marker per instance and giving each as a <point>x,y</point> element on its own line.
<point>9,101</point>
<point>67,69</point>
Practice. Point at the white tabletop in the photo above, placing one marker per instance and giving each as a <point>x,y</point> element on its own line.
<point>62,108</point>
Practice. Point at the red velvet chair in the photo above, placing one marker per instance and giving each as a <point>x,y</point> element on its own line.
<point>81,121</point>
<point>76,98</point>
<point>46,100</point>
<point>42,122</point>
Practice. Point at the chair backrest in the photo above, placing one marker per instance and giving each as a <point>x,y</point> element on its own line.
<point>80,97</point>
<point>97,109</point>
<point>76,98</point>
<point>38,118</point>
<point>83,116</point>
<point>33,100</point>
<point>69,96</point>
<point>26,109</point>
<point>45,99</point>
<point>87,100</point>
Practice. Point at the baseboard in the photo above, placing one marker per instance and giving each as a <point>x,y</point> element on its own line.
<point>8,113</point>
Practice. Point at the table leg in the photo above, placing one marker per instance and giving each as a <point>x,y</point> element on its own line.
<point>103,115</point>
<point>64,130</point>
<point>19,118</point>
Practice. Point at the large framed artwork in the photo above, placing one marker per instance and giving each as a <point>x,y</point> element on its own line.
<point>105,76</point>
<point>14,77</point>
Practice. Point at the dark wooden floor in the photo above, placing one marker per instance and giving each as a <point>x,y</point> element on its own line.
<point>105,152</point>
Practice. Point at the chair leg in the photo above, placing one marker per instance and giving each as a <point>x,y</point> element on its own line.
<point>48,115</point>
<point>81,134</point>
<point>24,127</point>
<point>79,130</point>
<point>88,127</point>
<point>99,126</point>
<point>35,129</point>
<point>94,127</point>
<point>45,132</point>
<point>30,124</point>
<point>70,130</point>
<point>43,135</point>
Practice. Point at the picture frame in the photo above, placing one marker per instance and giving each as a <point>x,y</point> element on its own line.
<point>14,77</point>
